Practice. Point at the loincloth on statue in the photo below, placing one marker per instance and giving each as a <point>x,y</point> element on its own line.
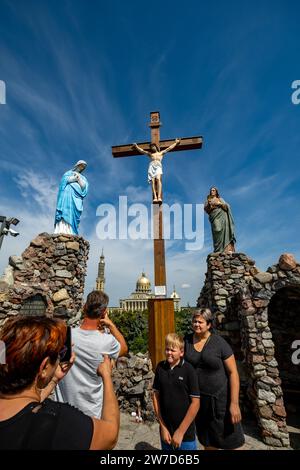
<point>154,170</point>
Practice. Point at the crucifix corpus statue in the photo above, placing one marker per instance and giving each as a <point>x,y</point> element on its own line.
<point>155,167</point>
<point>161,308</point>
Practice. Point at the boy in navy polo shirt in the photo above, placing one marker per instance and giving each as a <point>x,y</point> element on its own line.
<point>176,397</point>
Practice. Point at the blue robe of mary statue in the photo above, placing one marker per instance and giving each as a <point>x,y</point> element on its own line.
<point>70,200</point>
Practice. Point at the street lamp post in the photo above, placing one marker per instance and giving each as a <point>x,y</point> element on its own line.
<point>2,222</point>
<point>5,229</point>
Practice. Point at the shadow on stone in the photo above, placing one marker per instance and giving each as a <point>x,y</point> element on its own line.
<point>144,446</point>
<point>295,440</point>
<point>250,428</point>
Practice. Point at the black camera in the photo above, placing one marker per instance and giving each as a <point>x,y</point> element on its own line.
<point>66,352</point>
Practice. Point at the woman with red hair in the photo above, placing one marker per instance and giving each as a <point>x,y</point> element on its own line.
<point>33,367</point>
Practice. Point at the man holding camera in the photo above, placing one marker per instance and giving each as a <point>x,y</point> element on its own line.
<point>98,335</point>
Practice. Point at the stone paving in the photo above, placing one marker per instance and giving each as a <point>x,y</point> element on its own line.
<point>141,436</point>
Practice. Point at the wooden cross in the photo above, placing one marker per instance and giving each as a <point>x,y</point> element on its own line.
<point>162,308</point>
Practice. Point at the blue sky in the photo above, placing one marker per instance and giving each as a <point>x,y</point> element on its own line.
<point>84,75</point>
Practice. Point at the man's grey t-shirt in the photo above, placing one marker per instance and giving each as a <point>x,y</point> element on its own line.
<point>82,387</point>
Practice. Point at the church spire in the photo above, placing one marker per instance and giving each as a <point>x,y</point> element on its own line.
<point>100,281</point>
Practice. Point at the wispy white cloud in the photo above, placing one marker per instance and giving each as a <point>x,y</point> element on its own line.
<point>76,114</point>
<point>39,188</point>
<point>32,222</point>
<point>141,194</point>
<point>126,259</point>
<point>253,185</point>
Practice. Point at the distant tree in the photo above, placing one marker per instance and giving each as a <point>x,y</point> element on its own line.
<point>134,327</point>
<point>183,321</point>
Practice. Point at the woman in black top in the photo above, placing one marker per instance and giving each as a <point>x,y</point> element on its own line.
<point>218,420</point>
<point>33,366</point>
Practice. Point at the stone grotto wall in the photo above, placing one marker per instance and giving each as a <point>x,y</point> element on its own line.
<point>47,279</point>
<point>133,378</point>
<point>247,303</point>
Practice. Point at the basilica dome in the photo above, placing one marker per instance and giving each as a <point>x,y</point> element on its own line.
<point>143,284</point>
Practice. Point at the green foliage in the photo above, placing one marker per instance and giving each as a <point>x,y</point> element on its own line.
<point>183,321</point>
<point>134,327</point>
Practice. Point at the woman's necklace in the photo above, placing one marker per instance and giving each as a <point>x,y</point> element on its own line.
<point>204,338</point>
<point>203,341</point>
